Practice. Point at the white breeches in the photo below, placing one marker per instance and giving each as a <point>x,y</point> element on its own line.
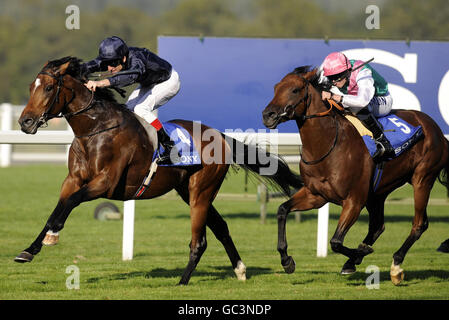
<point>145,101</point>
<point>381,105</point>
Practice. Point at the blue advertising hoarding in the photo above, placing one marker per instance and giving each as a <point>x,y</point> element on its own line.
<point>227,82</point>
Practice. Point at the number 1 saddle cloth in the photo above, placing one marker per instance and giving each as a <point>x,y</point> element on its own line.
<point>188,155</point>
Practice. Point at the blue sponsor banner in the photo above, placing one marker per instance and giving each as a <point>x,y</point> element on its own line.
<point>227,82</point>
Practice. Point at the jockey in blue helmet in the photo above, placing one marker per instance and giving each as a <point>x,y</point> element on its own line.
<point>159,82</point>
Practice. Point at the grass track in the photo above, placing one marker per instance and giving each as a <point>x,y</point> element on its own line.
<point>162,233</point>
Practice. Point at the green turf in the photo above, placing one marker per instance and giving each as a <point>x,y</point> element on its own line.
<point>162,233</point>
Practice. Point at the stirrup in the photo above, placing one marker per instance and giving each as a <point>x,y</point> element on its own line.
<point>165,157</point>
<point>381,153</point>
<point>382,148</point>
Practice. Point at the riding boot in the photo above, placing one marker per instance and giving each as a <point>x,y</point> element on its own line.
<point>168,145</point>
<point>384,149</point>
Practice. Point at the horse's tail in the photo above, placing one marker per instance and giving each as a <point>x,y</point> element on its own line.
<point>270,168</point>
<point>444,173</point>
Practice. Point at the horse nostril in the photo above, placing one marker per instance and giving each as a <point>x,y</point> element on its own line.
<point>269,115</point>
<point>26,122</point>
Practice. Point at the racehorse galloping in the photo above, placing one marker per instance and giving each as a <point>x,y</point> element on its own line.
<point>336,167</point>
<point>111,155</point>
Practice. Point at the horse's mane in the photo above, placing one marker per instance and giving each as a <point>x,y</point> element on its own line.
<point>314,81</point>
<point>77,71</point>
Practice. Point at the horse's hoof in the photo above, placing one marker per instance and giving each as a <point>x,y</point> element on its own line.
<point>24,257</point>
<point>396,274</point>
<point>397,278</point>
<point>289,265</point>
<point>51,239</point>
<point>240,271</point>
<point>348,268</point>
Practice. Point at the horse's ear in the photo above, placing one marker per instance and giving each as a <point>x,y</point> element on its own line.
<point>311,74</point>
<point>63,68</point>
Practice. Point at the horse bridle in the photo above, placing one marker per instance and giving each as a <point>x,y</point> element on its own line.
<point>46,116</point>
<point>289,107</point>
<point>305,117</point>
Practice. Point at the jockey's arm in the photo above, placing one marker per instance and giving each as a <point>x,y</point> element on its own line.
<point>366,91</point>
<point>92,85</point>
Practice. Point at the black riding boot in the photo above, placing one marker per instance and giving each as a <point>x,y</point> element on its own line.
<point>168,145</point>
<point>384,149</point>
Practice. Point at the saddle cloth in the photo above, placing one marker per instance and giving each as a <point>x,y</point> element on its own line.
<point>183,142</point>
<point>400,133</point>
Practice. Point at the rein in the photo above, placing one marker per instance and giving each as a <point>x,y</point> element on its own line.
<point>47,115</point>
<point>326,113</point>
<point>333,144</point>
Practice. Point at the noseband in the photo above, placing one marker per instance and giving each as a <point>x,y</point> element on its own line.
<point>46,116</point>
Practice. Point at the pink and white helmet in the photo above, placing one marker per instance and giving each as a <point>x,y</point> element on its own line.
<point>335,63</point>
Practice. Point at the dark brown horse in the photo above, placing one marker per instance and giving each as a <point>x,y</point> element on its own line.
<point>336,167</point>
<point>111,155</point>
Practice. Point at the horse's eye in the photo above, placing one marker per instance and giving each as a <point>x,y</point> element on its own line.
<point>295,91</point>
<point>49,88</point>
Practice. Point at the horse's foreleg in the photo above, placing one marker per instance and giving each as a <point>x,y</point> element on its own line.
<point>375,207</point>
<point>301,201</point>
<point>96,188</point>
<point>349,215</point>
<point>69,186</point>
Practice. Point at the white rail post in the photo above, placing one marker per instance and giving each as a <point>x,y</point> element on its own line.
<point>6,149</point>
<point>323,222</point>
<point>128,229</point>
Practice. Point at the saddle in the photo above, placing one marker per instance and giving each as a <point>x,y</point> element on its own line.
<point>399,132</point>
<point>184,144</point>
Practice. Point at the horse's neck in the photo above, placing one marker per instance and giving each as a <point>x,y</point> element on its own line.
<point>317,133</point>
<point>86,121</point>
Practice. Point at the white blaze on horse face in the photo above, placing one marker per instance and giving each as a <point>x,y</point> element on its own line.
<point>37,83</point>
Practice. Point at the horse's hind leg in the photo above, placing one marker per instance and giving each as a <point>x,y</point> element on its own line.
<point>420,224</point>
<point>375,207</point>
<point>198,244</point>
<point>220,229</point>
<point>301,201</point>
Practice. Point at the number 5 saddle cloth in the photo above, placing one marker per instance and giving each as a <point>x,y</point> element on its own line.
<point>400,133</point>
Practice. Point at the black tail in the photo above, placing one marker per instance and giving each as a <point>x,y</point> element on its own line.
<point>444,173</point>
<point>270,168</point>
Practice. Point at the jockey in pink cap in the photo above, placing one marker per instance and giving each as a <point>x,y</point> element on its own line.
<point>361,90</point>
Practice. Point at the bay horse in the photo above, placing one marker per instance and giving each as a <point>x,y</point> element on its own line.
<point>111,155</point>
<point>336,167</point>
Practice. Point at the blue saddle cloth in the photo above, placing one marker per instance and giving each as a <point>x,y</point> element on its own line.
<point>183,142</point>
<point>401,134</point>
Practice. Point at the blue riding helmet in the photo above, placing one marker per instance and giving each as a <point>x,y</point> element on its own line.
<point>112,48</point>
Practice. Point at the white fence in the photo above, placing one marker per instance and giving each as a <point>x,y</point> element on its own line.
<point>8,137</point>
